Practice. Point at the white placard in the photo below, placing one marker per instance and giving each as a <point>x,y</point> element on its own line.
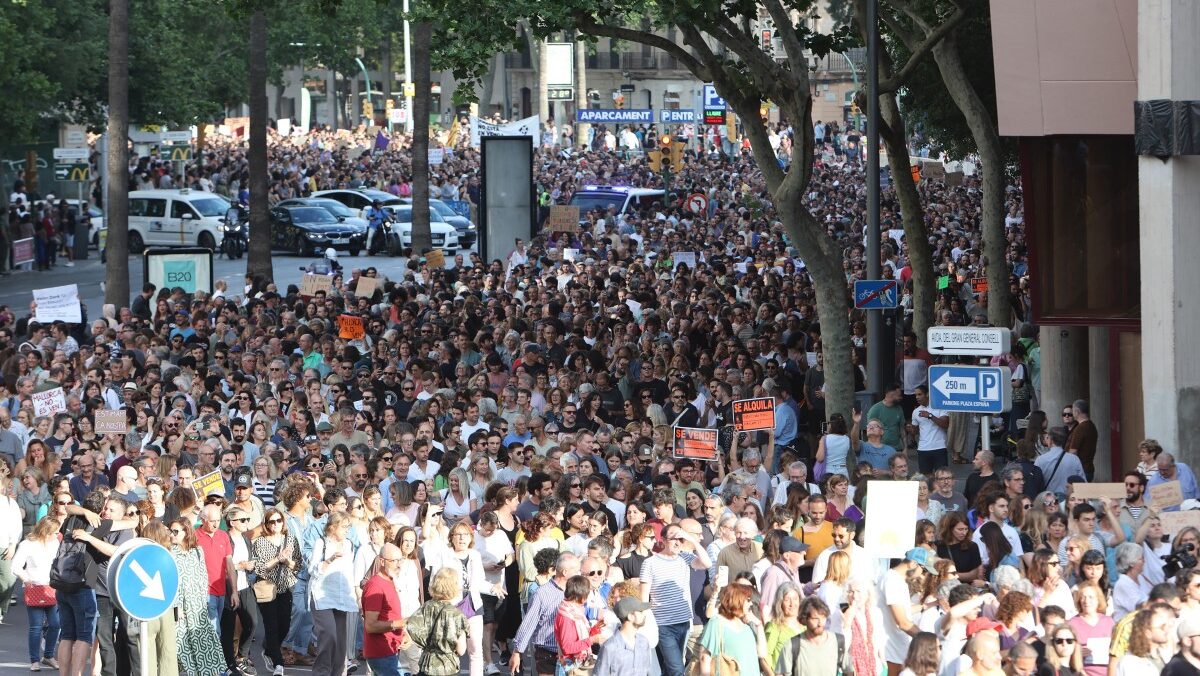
<point>889,532</point>
<point>49,402</point>
<point>58,304</point>
<point>684,257</point>
<point>436,156</point>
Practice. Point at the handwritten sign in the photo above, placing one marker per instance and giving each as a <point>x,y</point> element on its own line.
<point>563,218</point>
<point>209,484</point>
<point>1173,522</point>
<point>1168,494</point>
<point>23,250</point>
<point>351,327</point>
<point>888,533</point>
<point>695,444</point>
<point>750,415</point>
<point>1085,491</point>
<point>49,402</point>
<point>111,422</point>
<point>58,304</point>
<point>313,284</point>
<point>366,286</point>
<point>435,259</point>
<point>687,258</point>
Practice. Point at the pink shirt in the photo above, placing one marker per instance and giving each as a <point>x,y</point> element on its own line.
<point>1084,632</point>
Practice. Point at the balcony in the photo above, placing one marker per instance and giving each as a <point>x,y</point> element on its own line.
<point>630,61</point>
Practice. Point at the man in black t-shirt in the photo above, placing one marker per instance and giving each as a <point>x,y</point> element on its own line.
<point>102,542</point>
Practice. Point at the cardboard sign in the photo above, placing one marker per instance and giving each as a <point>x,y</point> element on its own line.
<point>1169,494</point>
<point>351,327</point>
<point>209,484</point>
<point>979,285</point>
<point>49,402</point>
<point>111,422</point>
<point>954,179</point>
<point>695,444</point>
<point>888,531</point>
<point>436,259</point>
<point>23,250</point>
<point>916,173</point>
<point>1173,522</point>
<point>58,304</point>
<point>687,258</point>
<point>563,218</point>
<point>366,286</point>
<point>933,170</point>
<point>310,285</point>
<point>751,415</point>
<point>1085,491</point>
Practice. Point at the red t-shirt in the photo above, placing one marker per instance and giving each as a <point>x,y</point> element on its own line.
<point>215,547</point>
<point>379,595</point>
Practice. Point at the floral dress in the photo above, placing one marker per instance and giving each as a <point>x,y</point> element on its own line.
<point>196,639</point>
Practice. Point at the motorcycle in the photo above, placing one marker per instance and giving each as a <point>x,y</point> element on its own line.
<point>236,220</point>
<point>326,265</point>
<point>386,241</point>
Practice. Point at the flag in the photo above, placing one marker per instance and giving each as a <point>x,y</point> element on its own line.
<point>452,139</point>
<point>381,140</point>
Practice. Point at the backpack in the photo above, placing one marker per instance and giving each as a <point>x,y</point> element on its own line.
<point>70,564</point>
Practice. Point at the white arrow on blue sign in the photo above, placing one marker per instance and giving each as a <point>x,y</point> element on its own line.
<point>143,579</point>
<point>971,389</point>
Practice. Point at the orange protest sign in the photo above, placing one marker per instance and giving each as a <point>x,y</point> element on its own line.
<point>979,285</point>
<point>695,443</point>
<point>750,415</point>
<point>916,173</point>
<point>351,327</point>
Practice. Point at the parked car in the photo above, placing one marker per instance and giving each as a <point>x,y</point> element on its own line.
<point>175,218</point>
<point>305,230</point>
<point>360,199</point>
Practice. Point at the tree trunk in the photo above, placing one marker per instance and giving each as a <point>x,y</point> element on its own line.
<point>543,97</point>
<point>581,97</point>
<point>258,258</point>
<point>987,141</point>
<point>116,207</point>
<point>422,240</point>
<point>920,256</point>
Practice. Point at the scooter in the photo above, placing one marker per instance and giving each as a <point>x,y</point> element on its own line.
<point>233,244</point>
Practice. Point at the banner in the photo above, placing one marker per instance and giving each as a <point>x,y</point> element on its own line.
<point>57,304</point>
<point>671,116</point>
<point>49,402</point>
<point>696,444</point>
<point>563,218</point>
<point>530,126</point>
<point>751,415</point>
<point>111,421</point>
<point>23,251</point>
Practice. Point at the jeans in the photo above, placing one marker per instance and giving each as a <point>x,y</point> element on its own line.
<point>276,618</point>
<point>247,612</point>
<point>672,638</point>
<point>112,633</point>
<point>42,620</point>
<point>300,633</point>
<point>928,461</point>
<point>216,605</point>
<point>77,615</point>
<point>384,666</point>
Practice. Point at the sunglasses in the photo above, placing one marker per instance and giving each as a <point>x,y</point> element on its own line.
<point>243,519</point>
<point>314,465</point>
<point>177,531</point>
<point>386,458</point>
<point>1064,641</point>
<point>594,573</point>
<point>271,522</point>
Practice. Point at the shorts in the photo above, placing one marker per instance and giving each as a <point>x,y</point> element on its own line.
<point>70,240</point>
<point>77,614</point>
<point>545,661</point>
<point>491,605</point>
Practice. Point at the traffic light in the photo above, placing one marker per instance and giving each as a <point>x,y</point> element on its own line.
<point>667,155</point>
<point>368,111</point>
<point>677,148</point>
<point>654,159</point>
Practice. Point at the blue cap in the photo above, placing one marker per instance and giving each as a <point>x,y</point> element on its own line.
<point>922,557</point>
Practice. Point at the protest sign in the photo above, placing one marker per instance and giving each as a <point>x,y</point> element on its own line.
<point>366,286</point>
<point>351,327</point>
<point>695,444</point>
<point>1173,522</point>
<point>310,285</point>
<point>750,415</point>
<point>57,304</point>
<point>49,402</point>
<point>563,218</point>
<point>209,484</point>
<point>1086,491</point>
<point>687,258</point>
<point>1168,494</point>
<point>889,532</point>
<point>111,421</point>
<point>435,259</point>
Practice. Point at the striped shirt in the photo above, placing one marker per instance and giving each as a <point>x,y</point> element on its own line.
<point>670,587</point>
<point>265,492</point>
<point>538,624</point>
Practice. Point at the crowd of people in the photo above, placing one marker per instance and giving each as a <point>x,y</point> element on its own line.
<point>486,478</point>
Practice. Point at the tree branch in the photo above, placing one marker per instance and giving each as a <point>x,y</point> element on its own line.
<point>783,24</point>
<point>932,38</point>
<point>589,26</point>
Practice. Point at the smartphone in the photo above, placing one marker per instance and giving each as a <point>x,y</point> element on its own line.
<point>722,576</point>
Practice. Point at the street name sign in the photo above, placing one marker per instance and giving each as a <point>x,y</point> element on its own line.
<point>969,340</point>
<point>970,389</point>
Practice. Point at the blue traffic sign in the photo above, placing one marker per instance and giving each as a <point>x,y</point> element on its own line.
<point>712,100</point>
<point>970,389</point>
<point>143,579</point>
<point>876,294</point>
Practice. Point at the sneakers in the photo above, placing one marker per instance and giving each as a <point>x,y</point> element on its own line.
<point>491,669</point>
<point>50,662</point>
<point>278,670</point>
<point>36,666</point>
<point>69,264</point>
<point>351,666</point>
<point>245,666</point>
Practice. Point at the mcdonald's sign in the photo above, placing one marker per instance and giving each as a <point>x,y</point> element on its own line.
<point>76,171</point>
<point>179,153</point>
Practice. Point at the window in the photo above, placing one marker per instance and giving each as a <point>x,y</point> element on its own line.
<point>179,208</point>
<point>148,208</point>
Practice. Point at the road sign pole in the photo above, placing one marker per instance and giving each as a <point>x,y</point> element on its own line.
<point>880,350</point>
<point>144,646</point>
<point>985,432</point>
<point>82,227</point>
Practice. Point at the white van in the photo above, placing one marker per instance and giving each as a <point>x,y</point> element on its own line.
<point>175,218</point>
<point>622,198</point>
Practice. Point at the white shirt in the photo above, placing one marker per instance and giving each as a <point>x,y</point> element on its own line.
<point>862,566</point>
<point>932,437</point>
<point>415,473</point>
<point>1010,534</point>
<point>893,591</point>
<point>468,429</point>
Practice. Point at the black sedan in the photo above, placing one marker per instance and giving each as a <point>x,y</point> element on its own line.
<point>307,230</point>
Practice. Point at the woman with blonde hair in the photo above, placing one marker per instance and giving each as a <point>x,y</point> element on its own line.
<point>276,555</point>
<point>459,554</point>
<point>833,589</point>
<point>31,565</point>
<point>785,620</point>
<point>457,500</point>
<point>1064,653</point>
<point>861,621</point>
<point>439,628</point>
<point>332,594</point>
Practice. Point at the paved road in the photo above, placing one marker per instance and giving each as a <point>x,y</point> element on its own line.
<point>16,289</point>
